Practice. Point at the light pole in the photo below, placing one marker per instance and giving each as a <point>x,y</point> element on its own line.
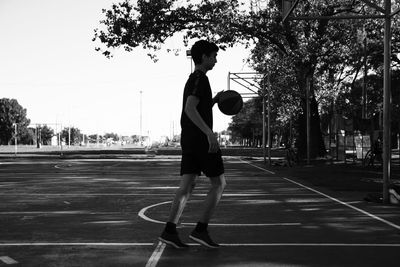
<point>38,136</point>
<point>15,137</point>
<point>140,136</point>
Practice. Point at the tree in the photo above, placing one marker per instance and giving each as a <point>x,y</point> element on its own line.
<point>46,134</point>
<point>113,136</point>
<point>306,47</point>
<point>74,133</point>
<point>281,85</point>
<point>135,138</point>
<point>27,136</point>
<point>150,23</point>
<point>246,126</point>
<point>349,103</point>
<point>11,112</point>
<point>321,53</point>
<point>93,138</point>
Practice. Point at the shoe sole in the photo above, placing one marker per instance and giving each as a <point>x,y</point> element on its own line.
<point>171,243</point>
<point>201,242</point>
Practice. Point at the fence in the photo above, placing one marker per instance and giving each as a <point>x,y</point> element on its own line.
<point>342,145</point>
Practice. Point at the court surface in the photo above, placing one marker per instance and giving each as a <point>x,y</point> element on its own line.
<point>109,212</point>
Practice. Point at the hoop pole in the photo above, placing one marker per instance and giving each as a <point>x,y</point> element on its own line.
<point>263,124</point>
<point>269,118</point>
<point>308,118</point>
<point>386,103</point>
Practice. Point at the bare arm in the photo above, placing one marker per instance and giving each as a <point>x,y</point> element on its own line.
<point>194,116</point>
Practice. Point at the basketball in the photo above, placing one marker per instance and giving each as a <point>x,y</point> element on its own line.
<point>230,102</point>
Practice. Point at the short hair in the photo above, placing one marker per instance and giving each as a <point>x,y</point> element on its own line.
<point>201,48</point>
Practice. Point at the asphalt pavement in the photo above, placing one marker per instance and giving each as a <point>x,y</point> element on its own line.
<point>110,211</point>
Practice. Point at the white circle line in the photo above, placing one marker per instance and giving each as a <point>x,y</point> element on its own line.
<point>8,260</point>
<point>146,218</point>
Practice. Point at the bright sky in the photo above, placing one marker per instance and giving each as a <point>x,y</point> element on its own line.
<point>48,63</point>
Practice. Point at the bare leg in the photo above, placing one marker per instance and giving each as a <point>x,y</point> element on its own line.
<point>181,197</point>
<point>213,197</point>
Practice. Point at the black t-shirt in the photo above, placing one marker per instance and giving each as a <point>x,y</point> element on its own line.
<point>192,138</point>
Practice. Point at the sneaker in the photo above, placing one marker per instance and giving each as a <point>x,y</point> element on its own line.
<point>203,238</point>
<point>173,240</point>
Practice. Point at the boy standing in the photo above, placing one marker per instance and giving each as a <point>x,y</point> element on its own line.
<point>200,149</point>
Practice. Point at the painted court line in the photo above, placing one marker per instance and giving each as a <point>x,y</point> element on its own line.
<point>68,212</point>
<point>155,257</point>
<point>8,260</point>
<point>246,224</point>
<point>347,204</point>
<point>311,245</point>
<point>255,166</point>
<point>153,194</point>
<point>102,244</point>
<point>335,200</point>
<point>146,218</point>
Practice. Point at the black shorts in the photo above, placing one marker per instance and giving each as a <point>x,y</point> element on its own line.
<point>210,164</point>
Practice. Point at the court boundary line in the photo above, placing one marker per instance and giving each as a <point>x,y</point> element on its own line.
<point>312,245</point>
<point>152,194</point>
<point>104,244</point>
<point>347,205</point>
<point>155,257</point>
<point>271,172</point>
<point>334,199</point>
<point>99,244</point>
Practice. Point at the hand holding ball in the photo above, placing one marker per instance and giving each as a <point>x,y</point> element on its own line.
<point>230,102</point>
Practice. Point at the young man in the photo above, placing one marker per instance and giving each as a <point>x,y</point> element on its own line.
<point>200,149</point>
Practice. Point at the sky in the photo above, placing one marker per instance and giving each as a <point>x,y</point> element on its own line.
<point>49,64</point>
